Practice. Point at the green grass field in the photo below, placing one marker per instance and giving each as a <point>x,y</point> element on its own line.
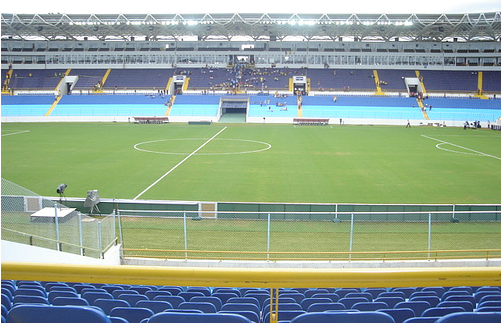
<point>256,162</point>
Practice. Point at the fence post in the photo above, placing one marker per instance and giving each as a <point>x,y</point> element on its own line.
<point>81,240</point>
<point>185,233</point>
<point>429,238</point>
<point>56,221</point>
<point>268,237</point>
<point>120,229</point>
<point>351,234</point>
<point>100,244</point>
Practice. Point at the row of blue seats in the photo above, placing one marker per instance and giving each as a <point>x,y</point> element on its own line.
<point>401,303</point>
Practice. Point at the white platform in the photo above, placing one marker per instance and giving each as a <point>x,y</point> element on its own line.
<point>50,212</point>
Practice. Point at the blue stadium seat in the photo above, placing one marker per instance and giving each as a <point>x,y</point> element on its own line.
<point>111,288</point>
<point>441,311</point>
<point>132,299</point>
<point>284,315</point>
<point>295,295</point>
<point>92,296</point>
<point>424,294</point>
<point>173,317</point>
<point>420,319</point>
<point>399,314</point>
<point>407,291</point>
<point>22,299</point>
<point>244,300</point>
<point>348,302</point>
<point>252,316</point>
<point>343,317</point>
<point>224,296</point>
<point>56,293</point>
<point>454,293</point>
<point>368,296</point>
<point>141,289</point>
<point>30,292</point>
<point>309,301</point>
<point>213,300</point>
<point>311,292</point>
<point>466,305</point>
<point>117,293</point>
<point>154,293</point>
<point>241,306</point>
<point>488,298</point>
<point>375,291</point>
<point>203,306</point>
<point>489,303</point>
<point>344,291</point>
<point>261,297</point>
<point>55,314</point>
<point>321,307</point>
<point>174,290</point>
<point>393,294</point>
<point>131,314</point>
<point>469,317</point>
<point>488,309</point>
<point>156,306</point>
<point>432,300</point>
<point>468,289</point>
<point>438,290</point>
<point>6,301</point>
<point>369,306</point>
<point>204,290</point>
<point>418,307</point>
<point>334,297</point>
<point>227,290</point>
<point>108,304</point>
<point>391,301</point>
<point>67,301</point>
<point>173,300</point>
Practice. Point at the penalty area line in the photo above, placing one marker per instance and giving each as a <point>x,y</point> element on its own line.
<point>465,148</point>
<point>177,165</point>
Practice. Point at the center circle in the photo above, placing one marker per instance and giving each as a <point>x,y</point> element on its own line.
<point>264,146</point>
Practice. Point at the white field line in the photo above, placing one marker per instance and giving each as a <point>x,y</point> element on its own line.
<point>177,165</point>
<point>465,148</point>
<point>19,132</point>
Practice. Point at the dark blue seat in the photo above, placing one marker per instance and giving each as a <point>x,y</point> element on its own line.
<point>369,306</point>
<point>418,307</point>
<point>189,294</point>
<point>29,292</point>
<point>213,300</point>
<point>468,317</point>
<point>420,319</point>
<point>224,296</point>
<point>454,293</point>
<point>142,289</point>
<point>334,297</point>
<point>348,302</point>
<point>295,295</point>
<point>311,292</point>
<point>321,307</point>
<point>173,317</point>
<point>441,311</point>
<point>174,290</point>
<point>244,300</point>
<point>399,314</point>
<point>368,296</point>
<point>252,316</point>
<point>67,301</point>
<point>156,306</point>
<point>154,293</point>
<point>227,290</point>
<point>343,317</point>
<point>375,291</point>
<point>283,315</point>
<point>173,300</point>
<point>423,294</point>
<point>53,294</point>
<point>393,294</point>
<point>261,297</point>
<point>108,304</point>
<point>468,289</point>
<point>488,298</point>
<point>203,306</point>
<point>439,290</point>
<point>22,299</point>
<point>241,307</point>
<point>55,314</point>
<point>92,296</point>
<point>407,291</point>
<point>391,301</point>
<point>111,288</point>
<point>432,300</point>
<point>118,292</point>
<point>131,314</point>
<point>204,290</point>
<point>309,301</point>
<point>488,309</point>
<point>466,305</point>
<point>344,291</point>
<point>132,299</point>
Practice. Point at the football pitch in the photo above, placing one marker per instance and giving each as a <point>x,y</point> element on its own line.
<point>256,162</point>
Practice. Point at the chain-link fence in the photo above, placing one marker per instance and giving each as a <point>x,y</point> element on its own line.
<point>308,236</point>
<point>31,219</point>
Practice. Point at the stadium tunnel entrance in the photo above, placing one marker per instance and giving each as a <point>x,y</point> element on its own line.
<point>234,109</point>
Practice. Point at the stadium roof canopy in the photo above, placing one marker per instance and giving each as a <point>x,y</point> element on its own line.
<point>258,26</point>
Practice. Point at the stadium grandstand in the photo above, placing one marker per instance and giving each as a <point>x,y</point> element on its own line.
<point>74,260</point>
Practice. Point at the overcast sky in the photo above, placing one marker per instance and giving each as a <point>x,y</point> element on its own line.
<point>247,6</point>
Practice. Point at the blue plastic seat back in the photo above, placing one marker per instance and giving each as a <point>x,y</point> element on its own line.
<point>132,299</point>
<point>213,300</point>
<point>156,306</point>
<point>418,307</point>
<point>420,319</point>
<point>407,291</point>
<point>252,316</point>
<point>22,299</point>
<point>393,294</point>
<point>261,297</point>
<point>56,314</point>
<point>173,300</point>
<point>241,307</point>
<point>375,291</point>
<point>469,290</point>
<point>334,297</point>
<point>74,301</point>
<point>369,306</point>
<point>118,292</point>
<point>108,304</point>
<point>343,317</point>
<point>30,292</point>
<point>189,294</point>
<point>131,314</point>
<point>439,290</point>
<point>448,294</point>
<point>154,293</point>
<point>368,296</point>
<point>441,311</point>
<point>399,314</point>
<point>468,317</point>
<point>321,307</point>
<point>244,300</point>
<point>349,301</point>
<point>344,291</point>
<point>295,295</point>
<point>204,290</point>
<point>56,293</point>
<point>284,315</point>
<point>391,301</point>
<point>432,300</point>
<point>311,292</point>
<point>466,305</point>
<point>92,296</point>
<point>488,309</point>
<point>224,296</point>
<point>203,306</point>
<point>309,301</point>
<point>173,317</point>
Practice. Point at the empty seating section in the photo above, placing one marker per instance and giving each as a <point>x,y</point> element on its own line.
<point>32,105</point>
<point>463,109</point>
<point>87,78</point>
<point>450,81</point>
<point>195,105</point>
<point>36,79</point>
<point>120,79</point>
<point>27,301</point>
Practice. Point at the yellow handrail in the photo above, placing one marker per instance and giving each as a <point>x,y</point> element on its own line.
<point>255,277</point>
